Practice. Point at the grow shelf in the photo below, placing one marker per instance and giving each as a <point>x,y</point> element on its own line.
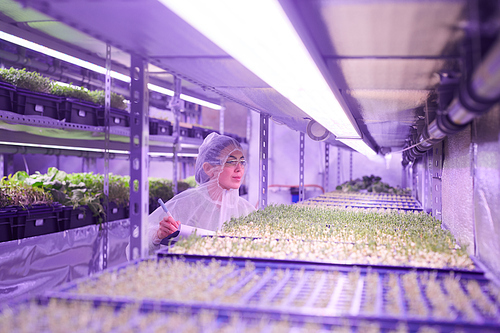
<point>445,300</point>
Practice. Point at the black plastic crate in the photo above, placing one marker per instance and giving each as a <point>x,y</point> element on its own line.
<point>7,96</point>
<point>160,127</point>
<point>117,117</point>
<point>117,212</point>
<point>79,112</point>
<point>7,217</point>
<point>34,103</point>
<point>36,221</point>
<point>199,132</point>
<point>75,218</point>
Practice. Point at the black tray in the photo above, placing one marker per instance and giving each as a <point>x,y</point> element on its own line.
<point>35,103</point>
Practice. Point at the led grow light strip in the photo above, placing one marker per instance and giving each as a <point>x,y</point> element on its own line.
<point>260,36</point>
<point>94,150</point>
<point>96,68</point>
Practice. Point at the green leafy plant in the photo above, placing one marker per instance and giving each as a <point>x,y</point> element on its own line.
<point>73,92</point>
<point>371,184</point>
<point>117,101</point>
<point>17,193</point>
<point>27,80</point>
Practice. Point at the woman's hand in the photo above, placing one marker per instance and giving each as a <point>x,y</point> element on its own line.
<point>167,227</point>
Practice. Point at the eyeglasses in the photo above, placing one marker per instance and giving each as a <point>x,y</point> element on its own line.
<point>234,162</point>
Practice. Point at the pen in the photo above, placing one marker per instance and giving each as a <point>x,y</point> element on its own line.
<point>162,204</point>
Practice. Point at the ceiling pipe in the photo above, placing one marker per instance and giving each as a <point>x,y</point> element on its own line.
<point>476,95</point>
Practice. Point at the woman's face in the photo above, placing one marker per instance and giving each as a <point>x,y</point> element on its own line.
<point>232,171</point>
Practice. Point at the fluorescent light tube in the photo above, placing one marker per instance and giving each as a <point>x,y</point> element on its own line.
<point>260,36</point>
<point>96,68</point>
<point>95,150</point>
<point>359,145</point>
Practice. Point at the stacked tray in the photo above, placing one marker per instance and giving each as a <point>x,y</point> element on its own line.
<point>364,200</point>
<point>297,294</point>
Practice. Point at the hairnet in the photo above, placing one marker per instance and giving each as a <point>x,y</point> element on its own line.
<point>210,152</point>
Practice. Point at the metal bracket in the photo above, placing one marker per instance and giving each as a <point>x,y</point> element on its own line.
<point>301,166</point>
<point>263,159</point>
<point>139,147</point>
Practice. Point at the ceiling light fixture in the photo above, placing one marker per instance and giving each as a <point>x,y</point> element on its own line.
<point>96,68</point>
<point>260,36</point>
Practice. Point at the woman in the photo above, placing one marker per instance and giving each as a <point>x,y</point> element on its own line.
<point>219,170</point>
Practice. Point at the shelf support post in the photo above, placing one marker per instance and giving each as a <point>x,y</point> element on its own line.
<point>301,166</point>
<point>327,168</point>
<point>175,106</point>
<point>139,147</point>
<point>107,107</point>
<point>263,159</point>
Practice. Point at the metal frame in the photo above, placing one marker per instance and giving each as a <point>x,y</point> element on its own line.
<point>327,168</point>
<point>175,105</point>
<point>107,109</point>
<point>301,166</point>
<point>263,160</point>
<point>139,187</point>
<point>437,172</point>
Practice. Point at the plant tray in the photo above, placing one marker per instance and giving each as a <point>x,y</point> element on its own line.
<point>35,103</point>
<point>160,127</point>
<point>174,318</point>
<point>76,218</point>
<point>117,117</point>
<point>7,93</point>
<point>117,212</point>
<point>79,112</point>
<point>385,297</point>
<point>7,217</point>
<point>36,221</point>
<point>81,216</point>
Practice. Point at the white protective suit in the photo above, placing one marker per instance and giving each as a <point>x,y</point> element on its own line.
<point>209,205</point>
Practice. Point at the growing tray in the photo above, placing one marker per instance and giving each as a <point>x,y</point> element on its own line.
<point>36,221</point>
<point>300,290</point>
<point>35,103</point>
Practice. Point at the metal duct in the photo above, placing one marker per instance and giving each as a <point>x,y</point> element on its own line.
<point>476,96</point>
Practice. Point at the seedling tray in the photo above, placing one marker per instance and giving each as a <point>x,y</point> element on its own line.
<point>160,127</point>
<point>79,112</point>
<point>299,290</point>
<point>7,93</point>
<point>35,103</point>
<point>117,117</point>
<point>7,217</point>
<point>35,221</point>
<point>115,317</point>
<point>81,216</point>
